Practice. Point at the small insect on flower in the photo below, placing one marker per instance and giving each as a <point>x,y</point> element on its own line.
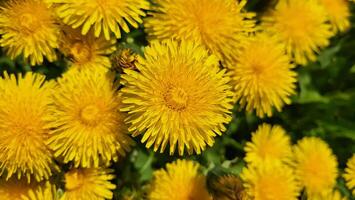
<point>86,51</point>
<point>180,180</point>
<point>180,96</point>
<point>103,17</point>
<point>91,183</point>
<point>262,75</point>
<point>339,14</point>
<point>24,107</point>
<point>271,181</point>
<point>87,127</point>
<point>302,25</point>
<point>14,189</point>
<point>269,144</point>
<point>28,28</point>
<point>350,174</point>
<point>316,166</point>
<point>219,25</point>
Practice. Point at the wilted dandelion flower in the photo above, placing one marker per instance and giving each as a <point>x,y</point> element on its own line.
<point>268,144</point>
<point>229,187</point>
<point>102,16</point>
<point>350,174</point>
<point>270,182</point>
<point>87,126</point>
<point>14,189</point>
<point>302,26</point>
<point>219,25</point>
<point>178,96</point>
<point>92,183</point>
<point>180,180</point>
<point>86,51</point>
<point>28,28</point>
<point>316,166</point>
<point>338,12</point>
<point>24,105</point>
<point>262,75</point>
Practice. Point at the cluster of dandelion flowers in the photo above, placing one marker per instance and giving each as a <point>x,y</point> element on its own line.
<point>271,181</point>
<point>24,106</point>
<point>87,126</point>
<point>14,189</point>
<point>179,96</point>
<point>339,13</point>
<point>316,166</point>
<point>350,174</point>
<point>86,51</point>
<point>90,183</point>
<point>219,25</point>
<point>102,16</point>
<point>302,26</point>
<point>25,32</point>
<point>180,180</point>
<point>262,75</point>
<point>268,144</point>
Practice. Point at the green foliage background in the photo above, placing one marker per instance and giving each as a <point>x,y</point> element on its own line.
<point>323,107</point>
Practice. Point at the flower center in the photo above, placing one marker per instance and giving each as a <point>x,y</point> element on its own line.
<point>80,52</point>
<point>73,180</point>
<point>176,99</point>
<point>89,114</point>
<point>28,23</point>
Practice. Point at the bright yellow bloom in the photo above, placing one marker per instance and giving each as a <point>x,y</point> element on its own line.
<point>334,195</point>
<point>102,16</point>
<point>179,96</point>
<point>87,126</point>
<point>88,184</point>
<point>262,75</point>
<point>270,182</point>
<point>29,29</point>
<point>350,174</point>
<point>180,180</point>
<point>268,144</point>
<point>86,51</point>
<point>219,25</point>
<point>339,13</point>
<point>20,190</point>
<point>302,26</point>
<point>316,166</point>
<point>24,105</point>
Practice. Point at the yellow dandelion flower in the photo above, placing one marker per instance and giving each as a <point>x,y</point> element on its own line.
<point>268,144</point>
<point>262,75</point>
<point>87,126</point>
<point>271,181</point>
<point>350,174</point>
<point>219,25</point>
<point>339,13</point>
<point>178,96</point>
<point>24,105</point>
<point>334,195</point>
<point>102,16</point>
<point>92,183</point>
<point>302,26</point>
<point>86,51</point>
<point>25,32</point>
<point>316,166</point>
<point>21,190</point>
<point>180,180</point>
